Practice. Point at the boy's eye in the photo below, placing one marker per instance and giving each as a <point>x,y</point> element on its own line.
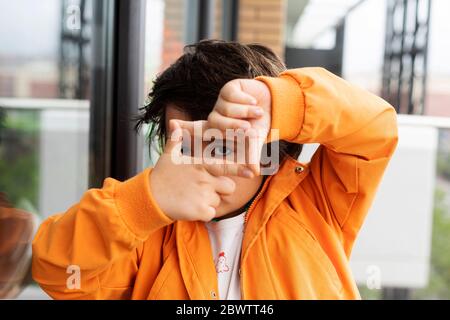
<point>221,151</point>
<point>185,150</point>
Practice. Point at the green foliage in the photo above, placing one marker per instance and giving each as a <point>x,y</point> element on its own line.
<point>19,163</point>
<point>439,285</point>
<point>443,165</point>
<point>2,121</point>
<point>369,294</point>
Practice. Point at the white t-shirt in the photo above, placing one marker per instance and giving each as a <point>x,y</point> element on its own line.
<point>226,242</point>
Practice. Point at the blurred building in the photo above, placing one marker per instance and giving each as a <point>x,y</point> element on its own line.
<point>258,21</point>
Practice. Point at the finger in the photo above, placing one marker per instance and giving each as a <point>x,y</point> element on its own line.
<point>193,132</point>
<point>238,111</point>
<point>209,213</point>
<point>216,120</point>
<point>224,185</point>
<point>214,200</point>
<point>194,127</point>
<point>255,144</point>
<point>220,167</point>
<point>232,92</point>
<point>175,139</point>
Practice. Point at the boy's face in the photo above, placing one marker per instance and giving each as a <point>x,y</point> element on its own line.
<point>245,188</point>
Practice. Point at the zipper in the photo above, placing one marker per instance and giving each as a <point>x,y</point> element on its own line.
<point>250,208</point>
<point>247,214</point>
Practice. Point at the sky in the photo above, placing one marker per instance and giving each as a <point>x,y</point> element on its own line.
<point>29,27</point>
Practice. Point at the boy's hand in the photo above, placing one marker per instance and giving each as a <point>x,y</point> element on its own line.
<point>246,104</point>
<point>242,104</point>
<point>189,191</point>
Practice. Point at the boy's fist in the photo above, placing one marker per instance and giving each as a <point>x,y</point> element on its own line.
<point>244,106</point>
<point>188,191</point>
<point>242,103</point>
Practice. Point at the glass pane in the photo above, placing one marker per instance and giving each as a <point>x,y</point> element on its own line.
<point>167,32</point>
<point>44,124</point>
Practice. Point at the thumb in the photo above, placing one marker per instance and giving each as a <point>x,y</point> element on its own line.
<point>194,128</point>
<point>233,91</point>
<point>174,139</point>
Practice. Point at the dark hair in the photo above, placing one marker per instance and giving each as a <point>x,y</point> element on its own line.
<point>193,83</point>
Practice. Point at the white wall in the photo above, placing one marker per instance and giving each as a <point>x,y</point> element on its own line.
<point>63,174</point>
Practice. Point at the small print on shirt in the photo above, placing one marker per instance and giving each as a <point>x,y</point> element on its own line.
<point>226,242</point>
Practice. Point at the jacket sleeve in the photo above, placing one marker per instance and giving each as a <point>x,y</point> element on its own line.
<point>91,251</point>
<point>357,133</point>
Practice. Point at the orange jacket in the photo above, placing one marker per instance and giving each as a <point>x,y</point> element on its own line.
<point>300,228</point>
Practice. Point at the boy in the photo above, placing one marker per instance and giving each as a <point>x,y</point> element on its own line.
<point>222,230</point>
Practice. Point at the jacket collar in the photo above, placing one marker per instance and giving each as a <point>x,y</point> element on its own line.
<point>279,186</point>
<point>192,240</point>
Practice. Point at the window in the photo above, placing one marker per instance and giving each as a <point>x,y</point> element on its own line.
<point>44,119</point>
